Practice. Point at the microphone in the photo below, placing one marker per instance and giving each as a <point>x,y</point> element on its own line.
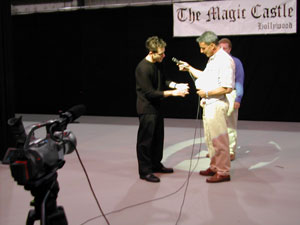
<point>178,62</point>
<point>73,113</point>
<point>67,117</point>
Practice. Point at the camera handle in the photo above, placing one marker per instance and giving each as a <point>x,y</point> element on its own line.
<point>45,192</point>
<point>49,128</point>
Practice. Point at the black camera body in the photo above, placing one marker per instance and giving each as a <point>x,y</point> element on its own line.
<point>41,156</point>
<point>34,163</point>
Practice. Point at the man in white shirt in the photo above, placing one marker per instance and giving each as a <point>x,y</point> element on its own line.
<point>213,84</point>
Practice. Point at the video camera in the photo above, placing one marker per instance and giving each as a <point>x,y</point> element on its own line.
<point>37,157</point>
<point>34,161</point>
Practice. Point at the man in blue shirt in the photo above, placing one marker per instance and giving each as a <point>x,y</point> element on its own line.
<point>236,94</point>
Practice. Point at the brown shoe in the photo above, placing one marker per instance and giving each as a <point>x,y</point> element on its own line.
<point>207,172</point>
<point>218,178</point>
<point>207,155</point>
<point>232,157</point>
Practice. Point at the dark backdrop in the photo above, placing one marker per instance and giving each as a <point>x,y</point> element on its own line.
<point>89,56</point>
<point>6,77</point>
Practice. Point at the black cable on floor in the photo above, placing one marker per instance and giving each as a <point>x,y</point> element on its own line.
<point>91,187</point>
<point>163,197</point>
<point>190,167</point>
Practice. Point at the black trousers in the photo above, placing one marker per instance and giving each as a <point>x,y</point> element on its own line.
<point>150,141</point>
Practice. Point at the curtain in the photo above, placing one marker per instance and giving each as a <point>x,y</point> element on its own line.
<point>6,76</point>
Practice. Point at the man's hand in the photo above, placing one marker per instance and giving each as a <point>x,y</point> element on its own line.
<point>237,105</point>
<point>183,66</point>
<point>213,93</point>
<point>181,93</point>
<point>182,86</point>
<point>181,90</point>
<point>201,93</point>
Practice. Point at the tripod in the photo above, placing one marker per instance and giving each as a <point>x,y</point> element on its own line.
<point>45,192</point>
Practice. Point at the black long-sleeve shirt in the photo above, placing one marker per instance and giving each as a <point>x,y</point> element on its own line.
<point>150,84</point>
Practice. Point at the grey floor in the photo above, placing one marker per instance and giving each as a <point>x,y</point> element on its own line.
<point>265,186</point>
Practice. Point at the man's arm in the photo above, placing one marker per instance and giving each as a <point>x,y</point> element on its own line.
<point>239,80</point>
<point>184,66</point>
<point>213,93</point>
<point>176,92</point>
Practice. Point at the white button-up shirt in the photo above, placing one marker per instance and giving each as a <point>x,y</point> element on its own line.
<point>219,72</point>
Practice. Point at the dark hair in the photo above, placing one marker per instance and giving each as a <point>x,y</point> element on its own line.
<point>154,42</point>
<point>208,37</point>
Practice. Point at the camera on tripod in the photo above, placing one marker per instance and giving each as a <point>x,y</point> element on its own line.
<point>34,162</point>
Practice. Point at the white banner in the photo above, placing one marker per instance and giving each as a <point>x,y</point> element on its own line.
<point>237,17</point>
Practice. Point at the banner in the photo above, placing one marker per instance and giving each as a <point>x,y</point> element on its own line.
<point>237,17</point>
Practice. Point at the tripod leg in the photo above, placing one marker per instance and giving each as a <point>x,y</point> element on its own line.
<point>31,217</point>
<point>45,205</point>
<point>58,217</point>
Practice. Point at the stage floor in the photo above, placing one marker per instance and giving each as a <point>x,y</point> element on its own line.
<point>264,188</point>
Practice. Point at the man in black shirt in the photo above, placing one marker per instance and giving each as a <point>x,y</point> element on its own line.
<point>150,88</point>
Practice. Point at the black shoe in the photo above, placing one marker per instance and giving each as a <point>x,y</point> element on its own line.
<point>163,170</point>
<point>150,177</point>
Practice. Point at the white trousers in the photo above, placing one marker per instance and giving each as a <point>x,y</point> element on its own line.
<point>216,135</point>
<point>232,131</point>
<point>232,122</point>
